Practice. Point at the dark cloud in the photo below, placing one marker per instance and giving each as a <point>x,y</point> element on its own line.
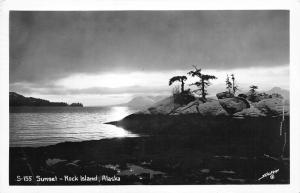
<point>45,46</point>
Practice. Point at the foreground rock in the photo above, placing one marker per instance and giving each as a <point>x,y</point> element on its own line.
<point>249,112</point>
<point>265,107</point>
<point>272,107</point>
<point>210,108</point>
<point>234,105</point>
<point>191,108</point>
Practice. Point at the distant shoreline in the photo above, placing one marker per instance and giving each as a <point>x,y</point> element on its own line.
<point>17,100</point>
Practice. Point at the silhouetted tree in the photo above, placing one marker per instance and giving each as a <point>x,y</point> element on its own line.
<point>253,89</point>
<point>179,79</point>
<point>253,97</point>
<point>203,82</point>
<point>228,84</point>
<point>234,85</point>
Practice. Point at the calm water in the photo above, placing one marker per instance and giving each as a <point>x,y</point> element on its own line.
<point>40,126</point>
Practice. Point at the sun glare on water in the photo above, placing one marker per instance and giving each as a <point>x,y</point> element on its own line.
<point>118,113</point>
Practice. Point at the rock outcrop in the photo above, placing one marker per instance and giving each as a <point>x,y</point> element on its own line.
<point>234,105</point>
<point>267,105</point>
<point>190,108</point>
<point>212,109</point>
<point>256,97</point>
<point>224,95</point>
<point>249,112</point>
<point>272,106</point>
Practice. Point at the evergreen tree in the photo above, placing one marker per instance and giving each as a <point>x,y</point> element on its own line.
<point>203,82</point>
<point>181,79</point>
<point>253,89</point>
<point>228,84</point>
<point>253,95</point>
<point>234,85</point>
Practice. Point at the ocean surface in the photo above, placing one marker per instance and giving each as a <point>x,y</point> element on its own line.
<point>41,126</point>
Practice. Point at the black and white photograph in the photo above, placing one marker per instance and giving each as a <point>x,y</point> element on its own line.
<point>149,97</point>
<point>107,98</point>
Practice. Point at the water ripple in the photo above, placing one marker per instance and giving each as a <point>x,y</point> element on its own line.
<point>50,125</point>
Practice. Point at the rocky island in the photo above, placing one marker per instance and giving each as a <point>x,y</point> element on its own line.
<point>187,109</point>
<point>246,130</point>
<point>266,116</point>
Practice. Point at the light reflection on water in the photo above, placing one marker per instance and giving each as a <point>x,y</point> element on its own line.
<point>40,126</point>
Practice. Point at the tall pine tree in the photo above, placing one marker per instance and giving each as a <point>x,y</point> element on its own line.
<point>203,82</point>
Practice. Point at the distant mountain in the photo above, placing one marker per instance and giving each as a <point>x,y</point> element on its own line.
<point>16,99</point>
<point>143,101</point>
<point>283,92</point>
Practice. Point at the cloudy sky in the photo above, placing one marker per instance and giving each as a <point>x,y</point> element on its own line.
<point>107,57</point>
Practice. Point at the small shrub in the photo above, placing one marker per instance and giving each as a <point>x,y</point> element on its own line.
<point>242,95</point>
<point>253,98</point>
<point>182,98</point>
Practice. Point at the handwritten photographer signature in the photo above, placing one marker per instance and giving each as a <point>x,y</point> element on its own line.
<point>270,174</point>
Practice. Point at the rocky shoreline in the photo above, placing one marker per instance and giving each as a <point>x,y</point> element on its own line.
<point>230,152</point>
<point>146,160</point>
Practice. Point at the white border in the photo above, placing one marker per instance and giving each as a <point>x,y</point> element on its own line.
<point>292,5</point>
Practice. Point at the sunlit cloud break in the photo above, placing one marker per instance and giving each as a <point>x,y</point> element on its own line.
<point>114,88</point>
<point>264,77</point>
<point>114,80</point>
